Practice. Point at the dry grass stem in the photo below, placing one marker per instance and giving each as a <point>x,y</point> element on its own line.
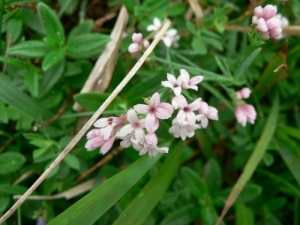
<point>197,10</point>
<point>89,123</point>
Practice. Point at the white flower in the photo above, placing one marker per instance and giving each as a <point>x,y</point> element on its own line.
<point>170,37</point>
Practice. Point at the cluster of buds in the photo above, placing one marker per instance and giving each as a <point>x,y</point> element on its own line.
<point>138,43</point>
<point>244,112</point>
<point>137,127</point>
<point>170,37</point>
<point>266,22</point>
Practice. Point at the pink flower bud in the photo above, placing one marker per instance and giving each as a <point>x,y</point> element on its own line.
<point>269,11</point>
<point>273,23</point>
<point>134,47</point>
<point>245,113</point>
<point>245,92</point>
<point>146,43</point>
<point>137,37</point>
<point>265,35</point>
<point>238,95</point>
<point>254,20</point>
<point>261,25</point>
<point>276,33</point>
<point>258,12</point>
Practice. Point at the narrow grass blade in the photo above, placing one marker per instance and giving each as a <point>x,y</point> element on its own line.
<point>88,209</point>
<point>291,160</point>
<point>139,209</point>
<point>255,157</point>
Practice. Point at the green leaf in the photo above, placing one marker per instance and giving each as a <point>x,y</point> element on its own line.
<point>92,100</point>
<point>142,205</point>
<point>213,42</point>
<point>13,62</point>
<point>4,201</point>
<point>3,113</point>
<point>51,77</point>
<point>250,192</point>
<point>20,101</point>
<point>82,28</point>
<point>246,62</point>
<point>52,58</point>
<point>244,215</point>
<point>31,80</point>
<point>88,209</point>
<point>191,27</point>
<point>291,160</point>
<point>11,162</point>
<point>213,175</point>
<point>199,45</point>
<point>184,215</point>
<point>256,156</point>
<point>12,189</point>
<point>30,49</point>
<point>72,161</point>
<point>14,28</point>
<point>84,46</point>
<point>176,9</point>
<point>51,23</point>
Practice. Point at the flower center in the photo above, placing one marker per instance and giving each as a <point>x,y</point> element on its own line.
<point>151,110</point>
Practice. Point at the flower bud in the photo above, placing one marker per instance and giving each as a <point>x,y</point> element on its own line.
<point>137,37</point>
<point>269,11</point>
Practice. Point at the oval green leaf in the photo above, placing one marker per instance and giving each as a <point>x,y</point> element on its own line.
<point>30,49</point>
<point>11,162</point>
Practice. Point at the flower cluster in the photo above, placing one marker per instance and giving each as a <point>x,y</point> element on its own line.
<point>244,112</point>
<point>184,124</point>
<point>138,43</point>
<point>170,37</point>
<point>266,22</point>
<point>137,127</point>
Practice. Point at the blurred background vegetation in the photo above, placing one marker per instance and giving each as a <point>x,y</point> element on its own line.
<point>49,49</point>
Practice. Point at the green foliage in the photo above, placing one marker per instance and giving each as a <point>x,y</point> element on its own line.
<point>252,173</point>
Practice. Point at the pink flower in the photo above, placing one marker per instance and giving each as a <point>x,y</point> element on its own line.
<point>206,112</point>
<point>109,125</point>
<point>276,33</point>
<point>186,111</point>
<point>273,23</point>
<point>134,47</point>
<point>244,93</point>
<point>258,12</point>
<point>155,110</point>
<point>190,83</point>
<point>173,83</point>
<point>151,147</point>
<point>134,127</point>
<point>269,11</point>
<point>183,129</point>
<point>245,113</point>
<point>178,101</point>
<point>261,25</point>
<point>137,38</point>
<point>96,140</point>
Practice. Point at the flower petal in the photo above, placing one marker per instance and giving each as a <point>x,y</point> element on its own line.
<point>155,100</point>
<point>141,108</point>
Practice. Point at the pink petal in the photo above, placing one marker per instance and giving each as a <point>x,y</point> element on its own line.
<point>127,129</point>
<point>185,75</point>
<point>103,122</point>
<point>93,133</point>
<point>140,135</point>
<point>177,91</point>
<point>191,118</point>
<point>171,78</point>
<point>133,47</point>
<point>179,102</point>
<point>203,109</point>
<point>131,116</point>
<point>151,123</point>
<point>196,80</point>
<point>167,84</point>
<point>269,11</point>
<point>181,116</point>
<point>212,113</point>
<point>141,108</point>
<point>151,139</point>
<point>204,121</point>
<point>195,105</point>
<point>258,12</point>
<point>107,145</point>
<point>162,149</point>
<point>155,100</point>
<point>137,37</point>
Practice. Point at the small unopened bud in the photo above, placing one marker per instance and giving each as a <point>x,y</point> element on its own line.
<point>134,47</point>
<point>258,12</point>
<point>137,37</point>
<point>269,11</point>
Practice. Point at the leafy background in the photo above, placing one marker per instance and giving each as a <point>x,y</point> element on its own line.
<point>48,50</point>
